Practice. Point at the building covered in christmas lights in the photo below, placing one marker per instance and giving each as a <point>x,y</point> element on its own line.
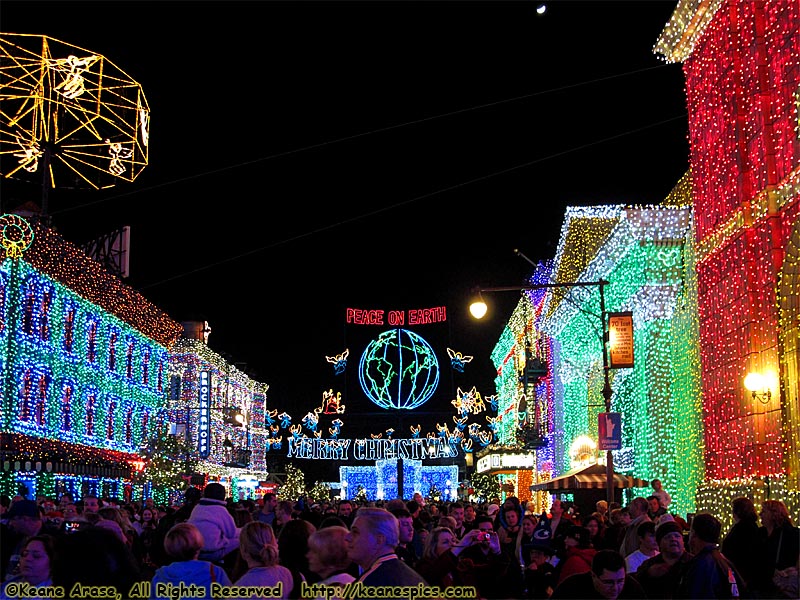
<point>711,405</point>
<point>219,410</point>
<point>97,381</point>
<point>741,62</point>
<point>84,368</point>
<point>645,255</point>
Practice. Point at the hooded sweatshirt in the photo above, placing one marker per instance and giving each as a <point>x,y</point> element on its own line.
<point>217,526</point>
<point>187,572</point>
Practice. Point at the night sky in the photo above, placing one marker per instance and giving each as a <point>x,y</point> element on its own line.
<point>307,157</point>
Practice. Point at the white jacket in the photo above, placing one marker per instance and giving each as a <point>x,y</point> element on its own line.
<point>216,524</point>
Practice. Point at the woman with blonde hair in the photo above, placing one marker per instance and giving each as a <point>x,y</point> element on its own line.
<point>327,556</point>
<point>259,549</point>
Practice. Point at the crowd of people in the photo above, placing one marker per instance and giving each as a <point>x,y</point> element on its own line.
<point>346,549</point>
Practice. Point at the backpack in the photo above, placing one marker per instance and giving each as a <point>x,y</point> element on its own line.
<point>735,584</point>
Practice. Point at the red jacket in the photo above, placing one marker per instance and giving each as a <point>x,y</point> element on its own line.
<point>576,560</point>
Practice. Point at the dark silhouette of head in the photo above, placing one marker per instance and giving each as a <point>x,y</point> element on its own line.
<point>214,491</point>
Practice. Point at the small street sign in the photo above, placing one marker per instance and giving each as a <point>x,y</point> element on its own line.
<point>609,431</point>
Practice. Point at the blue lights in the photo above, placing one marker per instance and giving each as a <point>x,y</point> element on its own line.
<point>379,482</point>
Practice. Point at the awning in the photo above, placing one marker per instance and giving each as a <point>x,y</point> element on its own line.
<point>592,477</point>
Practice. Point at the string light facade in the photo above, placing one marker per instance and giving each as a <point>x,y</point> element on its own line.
<point>82,387</point>
<point>742,70</point>
<point>646,255</point>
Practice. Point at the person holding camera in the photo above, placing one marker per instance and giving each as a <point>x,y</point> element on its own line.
<point>483,565</point>
<point>439,562</point>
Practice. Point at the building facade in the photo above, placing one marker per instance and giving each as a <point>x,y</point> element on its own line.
<point>84,369</point>
<point>741,62</point>
<point>93,375</point>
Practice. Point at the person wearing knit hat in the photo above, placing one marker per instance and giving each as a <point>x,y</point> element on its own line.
<point>667,527</point>
<point>492,510</point>
<point>661,574</point>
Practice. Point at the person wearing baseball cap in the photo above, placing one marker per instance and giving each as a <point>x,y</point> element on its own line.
<point>660,574</point>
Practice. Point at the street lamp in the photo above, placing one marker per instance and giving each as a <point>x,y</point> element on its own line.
<point>478,310</point>
<point>759,386</point>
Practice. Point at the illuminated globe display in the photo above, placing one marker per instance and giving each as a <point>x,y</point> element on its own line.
<point>399,370</point>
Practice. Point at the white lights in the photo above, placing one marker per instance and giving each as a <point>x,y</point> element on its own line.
<point>582,452</point>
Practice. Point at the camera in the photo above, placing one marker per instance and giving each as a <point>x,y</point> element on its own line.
<point>72,526</point>
<point>484,537</point>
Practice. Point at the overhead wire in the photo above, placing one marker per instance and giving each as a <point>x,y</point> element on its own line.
<point>409,201</point>
<point>373,132</point>
<point>353,137</point>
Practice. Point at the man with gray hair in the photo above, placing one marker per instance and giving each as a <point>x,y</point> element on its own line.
<point>371,544</point>
<point>638,511</point>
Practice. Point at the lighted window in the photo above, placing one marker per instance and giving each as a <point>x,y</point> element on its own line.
<point>27,397</point>
<point>112,408</point>
<point>129,426</point>
<point>66,407</point>
<point>91,346</point>
<point>91,406</point>
<point>27,312</point>
<point>69,328</point>
<point>41,399</point>
<point>146,367</point>
<point>175,387</point>
<point>129,360</point>
<point>44,315</point>
<point>112,351</point>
